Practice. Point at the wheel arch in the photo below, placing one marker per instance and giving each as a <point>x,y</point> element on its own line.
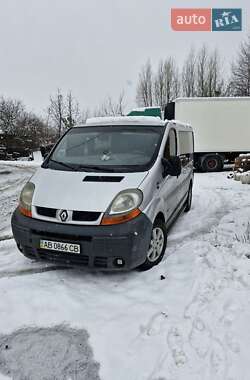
<point>160,216</point>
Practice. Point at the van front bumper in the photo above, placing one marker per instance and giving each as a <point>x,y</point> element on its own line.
<point>102,247</point>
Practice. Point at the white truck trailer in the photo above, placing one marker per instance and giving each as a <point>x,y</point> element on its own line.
<point>221,128</point>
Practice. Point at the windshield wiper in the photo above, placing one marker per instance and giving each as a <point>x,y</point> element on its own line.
<point>63,164</point>
<point>89,168</point>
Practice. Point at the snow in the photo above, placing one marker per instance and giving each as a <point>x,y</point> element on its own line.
<point>187,318</point>
<point>65,351</point>
<point>13,176</point>
<point>180,123</point>
<point>142,109</point>
<point>37,156</point>
<point>19,164</point>
<point>245,178</point>
<point>125,120</point>
<point>240,175</point>
<point>2,377</point>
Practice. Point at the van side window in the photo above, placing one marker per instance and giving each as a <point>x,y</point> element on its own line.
<point>186,146</point>
<point>171,145</point>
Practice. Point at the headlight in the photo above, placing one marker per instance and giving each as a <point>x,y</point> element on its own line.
<point>25,201</point>
<point>126,201</point>
<point>124,207</point>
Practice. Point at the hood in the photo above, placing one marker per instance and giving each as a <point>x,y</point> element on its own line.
<point>81,191</point>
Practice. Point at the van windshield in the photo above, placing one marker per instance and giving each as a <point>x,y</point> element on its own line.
<point>107,148</point>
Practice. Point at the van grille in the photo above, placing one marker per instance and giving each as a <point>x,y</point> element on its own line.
<point>63,257</point>
<point>77,216</point>
<point>85,216</point>
<point>66,258</point>
<point>44,211</point>
<point>61,236</point>
<point>101,262</point>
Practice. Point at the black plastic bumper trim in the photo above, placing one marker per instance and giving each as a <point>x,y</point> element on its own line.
<point>100,245</point>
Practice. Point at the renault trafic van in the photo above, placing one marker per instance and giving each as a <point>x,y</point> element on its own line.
<point>107,194</point>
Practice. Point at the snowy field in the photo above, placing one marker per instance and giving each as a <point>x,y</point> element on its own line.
<point>186,319</point>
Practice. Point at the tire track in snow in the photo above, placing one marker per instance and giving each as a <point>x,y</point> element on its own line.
<point>13,184</point>
<point>159,323</point>
<point>204,224</point>
<point>6,237</point>
<point>31,271</point>
<point>216,272</point>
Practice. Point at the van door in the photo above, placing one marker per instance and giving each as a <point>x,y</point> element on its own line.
<point>169,188</point>
<point>185,143</point>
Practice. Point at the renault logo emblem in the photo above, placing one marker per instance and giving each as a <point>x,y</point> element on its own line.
<point>63,214</point>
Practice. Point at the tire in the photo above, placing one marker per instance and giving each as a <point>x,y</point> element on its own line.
<point>159,239</point>
<point>189,198</point>
<point>197,164</point>
<point>212,163</point>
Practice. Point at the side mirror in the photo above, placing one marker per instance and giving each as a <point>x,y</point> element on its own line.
<point>172,166</point>
<point>45,156</point>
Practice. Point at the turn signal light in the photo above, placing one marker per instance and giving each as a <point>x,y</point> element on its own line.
<point>118,219</point>
<point>25,212</point>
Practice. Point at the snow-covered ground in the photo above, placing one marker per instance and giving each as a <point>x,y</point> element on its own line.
<point>186,319</point>
<point>12,178</point>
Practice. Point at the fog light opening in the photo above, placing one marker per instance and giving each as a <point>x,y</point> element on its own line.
<point>119,263</point>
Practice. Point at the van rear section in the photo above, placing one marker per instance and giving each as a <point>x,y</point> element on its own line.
<point>221,128</point>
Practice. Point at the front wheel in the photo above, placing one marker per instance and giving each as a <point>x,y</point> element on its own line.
<point>157,245</point>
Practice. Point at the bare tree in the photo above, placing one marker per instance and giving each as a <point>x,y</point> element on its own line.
<point>111,108</point>
<point>84,115</point>
<point>144,91</point>
<point>166,82</point>
<point>176,85</point>
<point>72,113</point>
<point>202,74</point>
<point>189,75</point>
<point>56,111</point>
<point>215,81</point>
<point>202,70</point>
<point>240,71</point>
<point>160,92</point>
<point>120,105</point>
<point>171,79</point>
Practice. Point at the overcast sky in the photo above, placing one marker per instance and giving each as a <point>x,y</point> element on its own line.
<point>95,47</point>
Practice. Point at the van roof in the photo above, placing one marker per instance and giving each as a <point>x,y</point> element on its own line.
<point>126,120</point>
<point>182,125</point>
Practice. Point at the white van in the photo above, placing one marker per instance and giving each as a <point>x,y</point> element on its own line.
<point>107,194</point>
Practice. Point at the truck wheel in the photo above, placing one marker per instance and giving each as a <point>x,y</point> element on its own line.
<point>189,199</point>
<point>197,164</point>
<point>157,245</point>
<point>212,163</point>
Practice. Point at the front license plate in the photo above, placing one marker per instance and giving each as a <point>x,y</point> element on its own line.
<point>60,246</point>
